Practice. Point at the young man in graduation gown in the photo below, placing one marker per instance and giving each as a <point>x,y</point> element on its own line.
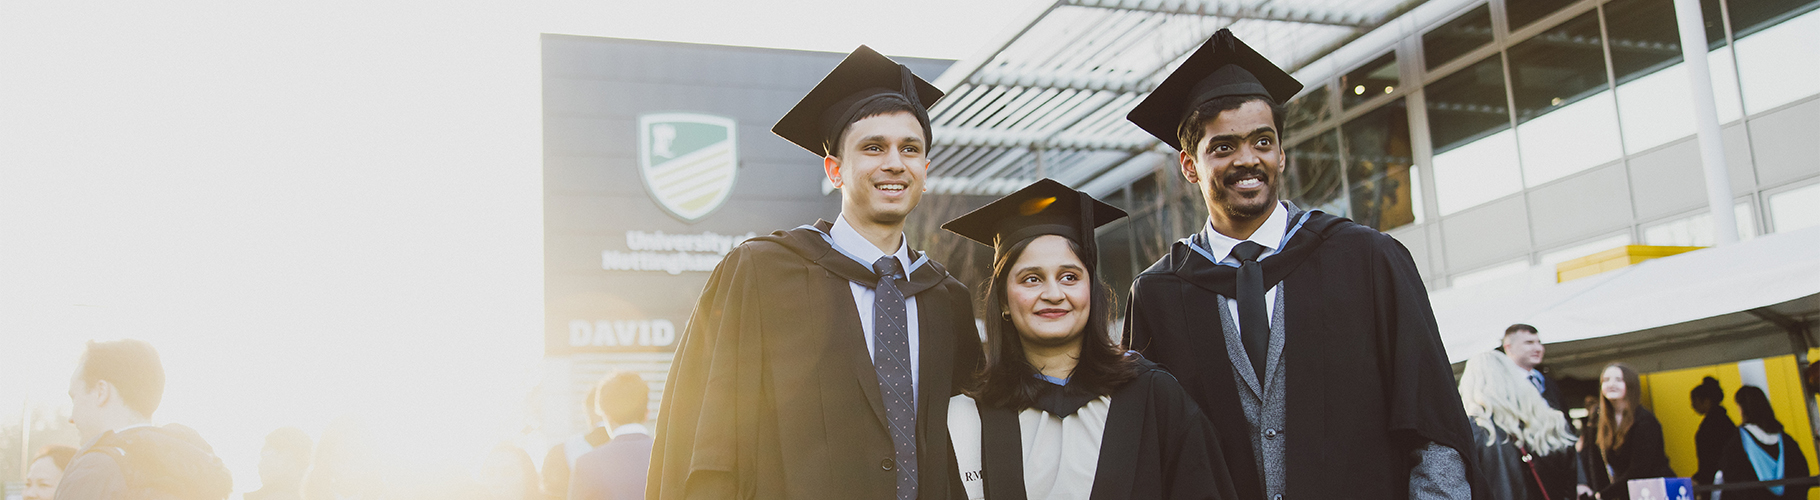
<point>1062,412</point>
<point>819,360</point>
<point>1308,339</point>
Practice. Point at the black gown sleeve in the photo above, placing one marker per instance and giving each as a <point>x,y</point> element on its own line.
<point>1794,465</point>
<point>700,439</point>
<point>1194,467</point>
<point>1709,444</point>
<point>1424,404</point>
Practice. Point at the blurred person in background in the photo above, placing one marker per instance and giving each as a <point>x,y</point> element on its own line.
<point>1524,347</point>
<point>509,475</point>
<point>1716,429</point>
<point>1627,438</point>
<point>282,464</point>
<point>46,469</point>
<point>616,470</point>
<point>346,465</point>
<point>116,388</point>
<point>1761,450</point>
<point>1525,449</point>
<point>561,458</point>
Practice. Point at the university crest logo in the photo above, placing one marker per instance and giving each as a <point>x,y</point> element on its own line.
<point>688,161</point>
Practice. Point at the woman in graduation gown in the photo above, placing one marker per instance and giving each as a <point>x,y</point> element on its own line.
<point>1060,411</point>
<point>1716,429</point>
<point>1761,450</point>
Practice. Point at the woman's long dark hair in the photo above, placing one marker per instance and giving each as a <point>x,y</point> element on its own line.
<point>1611,434</point>
<point>1756,409</point>
<point>1009,381</point>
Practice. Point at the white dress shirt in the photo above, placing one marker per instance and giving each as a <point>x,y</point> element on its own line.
<point>1270,235</point>
<point>850,241</point>
<point>630,429</point>
<point>1061,455</point>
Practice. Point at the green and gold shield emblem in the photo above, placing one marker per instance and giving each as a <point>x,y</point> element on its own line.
<point>689,161</point>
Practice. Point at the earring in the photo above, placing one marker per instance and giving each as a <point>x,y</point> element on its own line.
<point>1005,314</point>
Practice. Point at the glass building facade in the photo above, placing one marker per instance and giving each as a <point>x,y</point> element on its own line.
<point>1521,133</point>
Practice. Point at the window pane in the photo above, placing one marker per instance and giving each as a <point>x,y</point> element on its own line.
<point>1780,63</point>
<point>1697,230</point>
<point>1306,111</point>
<point>1374,79</point>
<point>1377,142</point>
<point>1645,38</point>
<point>1796,209</point>
<point>1522,12</point>
<point>1477,172</point>
<point>1459,36</point>
<point>1575,137</point>
<point>1751,16</point>
<point>1378,159</point>
<point>1657,108</point>
<point>1557,67</point>
<point>1313,177</point>
<point>1467,105</point>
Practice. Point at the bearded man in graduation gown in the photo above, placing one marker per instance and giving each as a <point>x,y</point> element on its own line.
<point>820,360</point>
<point>1306,338</point>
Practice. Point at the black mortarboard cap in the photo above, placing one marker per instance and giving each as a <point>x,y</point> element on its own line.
<point>1044,207</point>
<point>864,76</point>
<point>1224,66</point>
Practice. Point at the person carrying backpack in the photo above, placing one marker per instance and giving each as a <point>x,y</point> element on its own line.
<point>116,388</point>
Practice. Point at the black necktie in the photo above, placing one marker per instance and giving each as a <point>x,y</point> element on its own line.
<point>891,357</point>
<point>1254,319</point>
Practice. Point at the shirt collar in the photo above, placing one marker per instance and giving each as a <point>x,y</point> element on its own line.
<point>92,440</point>
<point>850,241</point>
<point>630,429</point>
<point>1270,235</point>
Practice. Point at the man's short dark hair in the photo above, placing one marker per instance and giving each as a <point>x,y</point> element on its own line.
<point>880,106</point>
<point>132,366</point>
<point>624,398</point>
<point>1194,126</point>
<point>1520,328</point>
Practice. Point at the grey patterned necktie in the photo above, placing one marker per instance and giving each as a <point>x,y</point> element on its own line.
<point>891,358</point>
<point>1254,322</point>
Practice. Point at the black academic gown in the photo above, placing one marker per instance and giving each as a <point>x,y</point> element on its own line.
<point>1368,380</point>
<point>1735,461</point>
<point>773,394</point>
<point>1156,445</point>
<point>1716,430</point>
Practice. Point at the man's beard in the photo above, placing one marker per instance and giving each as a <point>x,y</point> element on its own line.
<point>1248,208</point>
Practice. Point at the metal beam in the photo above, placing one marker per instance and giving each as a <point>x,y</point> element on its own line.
<point>958,137</point>
<point>1798,342</point>
<point>1230,10</point>
<point>1076,80</point>
<point>964,69</point>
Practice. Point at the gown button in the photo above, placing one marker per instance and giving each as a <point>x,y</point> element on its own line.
<point>887,464</point>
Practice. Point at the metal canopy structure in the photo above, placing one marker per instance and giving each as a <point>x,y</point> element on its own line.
<point>1049,98</point>
<point>1747,300</point>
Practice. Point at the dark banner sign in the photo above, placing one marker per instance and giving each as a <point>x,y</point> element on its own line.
<point>658,160</point>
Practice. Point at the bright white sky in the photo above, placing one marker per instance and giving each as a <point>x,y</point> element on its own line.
<point>315,208</point>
